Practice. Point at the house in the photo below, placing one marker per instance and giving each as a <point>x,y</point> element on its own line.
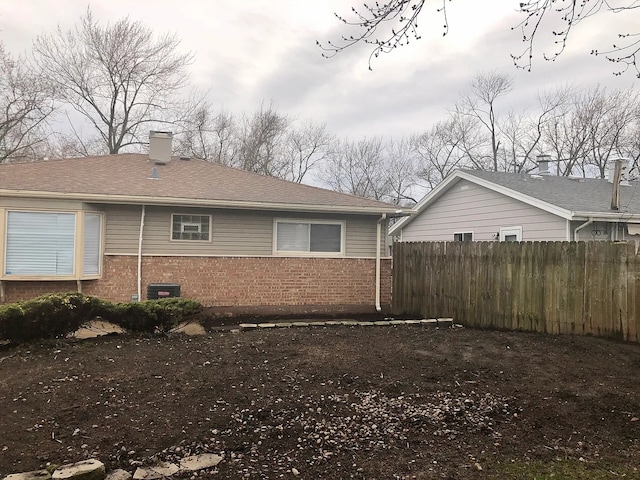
<point>485,206</point>
<point>112,225</point>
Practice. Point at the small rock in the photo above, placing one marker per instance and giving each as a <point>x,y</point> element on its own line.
<point>295,471</point>
<point>478,466</point>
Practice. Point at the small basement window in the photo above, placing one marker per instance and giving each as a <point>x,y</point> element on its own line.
<point>309,237</point>
<point>191,227</point>
<point>463,237</point>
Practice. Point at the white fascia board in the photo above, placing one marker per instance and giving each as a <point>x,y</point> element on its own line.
<point>197,202</point>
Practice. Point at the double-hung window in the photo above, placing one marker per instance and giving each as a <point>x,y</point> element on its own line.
<point>310,237</point>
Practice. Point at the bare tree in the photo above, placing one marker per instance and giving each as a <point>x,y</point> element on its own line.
<point>371,168</point>
<point>25,105</point>
<point>448,145</point>
<point>389,24</point>
<point>261,137</point>
<point>119,76</point>
<point>305,147</point>
<point>480,103</point>
<point>206,134</point>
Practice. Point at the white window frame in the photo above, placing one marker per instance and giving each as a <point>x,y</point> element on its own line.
<point>186,240</point>
<point>463,234</point>
<point>77,270</point>
<point>91,275</point>
<point>309,221</point>
<point>514,230</point>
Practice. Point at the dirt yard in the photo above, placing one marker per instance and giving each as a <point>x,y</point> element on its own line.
<point>328,402</point>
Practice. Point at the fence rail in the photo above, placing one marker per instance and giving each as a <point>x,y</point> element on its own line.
<point>588,288</point>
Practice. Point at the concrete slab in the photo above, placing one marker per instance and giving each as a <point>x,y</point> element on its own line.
<point>382,323</point>
<point>248,326</point>
<point>366,324</point>
<point>266,325</point>
<point>299,324</point>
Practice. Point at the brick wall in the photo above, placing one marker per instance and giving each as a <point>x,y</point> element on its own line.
<point>233,281</point>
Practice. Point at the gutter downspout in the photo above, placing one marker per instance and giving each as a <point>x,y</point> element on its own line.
<point>378,240</point>
<point>580,227</point>
<point>142,213</point>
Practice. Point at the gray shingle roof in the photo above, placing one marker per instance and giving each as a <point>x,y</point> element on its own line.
<point>117,177</point>
<point>573,194</point>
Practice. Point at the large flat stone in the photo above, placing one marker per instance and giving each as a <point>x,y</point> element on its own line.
<point>200,462</point>
<point>190,328</point>
<point>161,470</point>
<point>85,470</point>
<point>118,474</point>
<point>34,475</point>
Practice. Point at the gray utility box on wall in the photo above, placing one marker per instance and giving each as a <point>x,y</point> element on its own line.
<point>162,290</point>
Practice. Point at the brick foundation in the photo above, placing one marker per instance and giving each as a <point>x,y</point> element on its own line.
<point>232,281</point>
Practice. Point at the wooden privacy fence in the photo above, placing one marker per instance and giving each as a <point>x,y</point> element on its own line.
<point>588,288</point>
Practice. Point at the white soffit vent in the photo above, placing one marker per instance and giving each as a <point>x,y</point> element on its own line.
<point>160,147</point>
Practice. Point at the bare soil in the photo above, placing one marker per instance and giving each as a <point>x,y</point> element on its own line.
<point>325,402</point>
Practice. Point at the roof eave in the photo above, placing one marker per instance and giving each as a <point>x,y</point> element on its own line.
<point>607,216</point>
<point>200,202</point>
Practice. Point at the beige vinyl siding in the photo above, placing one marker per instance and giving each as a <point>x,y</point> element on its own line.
<point>234,232</point>
<point>467,207</point>
<point>40,204</point>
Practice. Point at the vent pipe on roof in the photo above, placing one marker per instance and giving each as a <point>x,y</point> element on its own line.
<point>160,147</point>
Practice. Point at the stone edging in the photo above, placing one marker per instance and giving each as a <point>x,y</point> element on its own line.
<point>431,322</point>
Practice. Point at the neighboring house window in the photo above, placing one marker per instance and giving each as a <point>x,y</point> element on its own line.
<point>191,227</point>
<point>40,243</point>
<point>463,237</point>
<point>511,234</point>
<point>311,237</point>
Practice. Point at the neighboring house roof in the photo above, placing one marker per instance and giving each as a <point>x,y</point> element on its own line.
<point>126,178</point>
<point>568,197</point>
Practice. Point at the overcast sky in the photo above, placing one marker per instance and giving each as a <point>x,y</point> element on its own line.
<point>250,51</point>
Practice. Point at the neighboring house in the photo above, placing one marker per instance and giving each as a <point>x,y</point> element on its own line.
<point>111,225</point>
<point>485,206</point>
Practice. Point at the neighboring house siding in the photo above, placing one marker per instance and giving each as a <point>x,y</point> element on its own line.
<point>224,281</point>
<point>234,232</point>
<point>600,231</point>
<point>467,207</point>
